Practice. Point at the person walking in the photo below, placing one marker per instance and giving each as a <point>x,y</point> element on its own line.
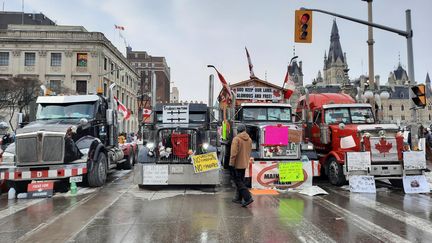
<point>240,154</point>
<point>428,138</point>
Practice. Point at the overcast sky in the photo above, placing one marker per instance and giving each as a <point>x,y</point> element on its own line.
<point>194,33</point>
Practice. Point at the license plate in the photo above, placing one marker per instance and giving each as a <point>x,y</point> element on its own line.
<point>177,170</point>
<point>75,179</point>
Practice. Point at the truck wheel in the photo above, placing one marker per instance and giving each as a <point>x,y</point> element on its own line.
<point>97,175</point>
<point>225,157</point>
<point>127,165</point>
<point>396,183</point>
<point>335,172</point>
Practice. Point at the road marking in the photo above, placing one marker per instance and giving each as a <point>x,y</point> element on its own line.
<point>368,227</point>
<point>389,211</point>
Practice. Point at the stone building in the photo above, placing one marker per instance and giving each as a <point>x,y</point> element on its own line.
<point>69,58</point>
<point>174,95</point>
<point>335,64</point>
<point>145,65</point>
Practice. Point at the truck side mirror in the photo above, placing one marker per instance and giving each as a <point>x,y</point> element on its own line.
<point>110,116</point>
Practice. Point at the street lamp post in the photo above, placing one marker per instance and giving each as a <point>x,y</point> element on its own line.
<point>370,43</point>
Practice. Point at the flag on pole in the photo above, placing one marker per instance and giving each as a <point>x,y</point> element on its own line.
<point>146,113</point>
<point>288,85</point>
<point>123,109</point>
<point>119,27</point>
<point>224,83</point>
<point>252,75</point>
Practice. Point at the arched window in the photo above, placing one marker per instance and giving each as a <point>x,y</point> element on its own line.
<point>390,108</point>
<point>402,107</point>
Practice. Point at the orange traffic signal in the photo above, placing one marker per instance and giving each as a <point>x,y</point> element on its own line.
<point>303,26</point>
<point>419,97</point>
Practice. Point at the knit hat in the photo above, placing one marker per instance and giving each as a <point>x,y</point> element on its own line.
<point>241,128</point>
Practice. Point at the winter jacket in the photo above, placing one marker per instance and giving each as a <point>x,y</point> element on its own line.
<point>240,151</point>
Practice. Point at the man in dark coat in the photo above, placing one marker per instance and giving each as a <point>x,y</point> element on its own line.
<point>240,154</point>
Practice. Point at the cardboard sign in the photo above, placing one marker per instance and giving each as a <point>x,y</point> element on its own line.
<point>175,114</point>
<point>155,174</point>
<point>205,162</point>
<point>415,184</point>
<point>265,175</point>
<point>362,184</point>
<point>40,189</point>
<point>358,161</point>
<point>275,135</point>
<point>414,160</point>
<point>295,136</point>
<point>291,171</point>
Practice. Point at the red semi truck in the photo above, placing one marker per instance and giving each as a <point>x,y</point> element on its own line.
<point>336,124</point>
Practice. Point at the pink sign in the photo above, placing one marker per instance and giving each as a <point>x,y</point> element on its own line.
<point>275,135</point>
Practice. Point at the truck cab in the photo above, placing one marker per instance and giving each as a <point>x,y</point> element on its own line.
<point>336,125</point>
<point>178,132</point>
<point>72,136</point>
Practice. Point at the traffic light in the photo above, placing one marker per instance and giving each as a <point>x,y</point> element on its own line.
<point>303,26</point>
<point>419,97</point>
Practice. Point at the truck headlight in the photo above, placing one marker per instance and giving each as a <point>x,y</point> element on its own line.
<point>205,146</point>
<point>307,146</point>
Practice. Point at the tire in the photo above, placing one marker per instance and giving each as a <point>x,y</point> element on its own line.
<point>127,165</point>
<point>335,172</point>
<point>96,177</point>
<point>396,183</point>
<point>225,157</point>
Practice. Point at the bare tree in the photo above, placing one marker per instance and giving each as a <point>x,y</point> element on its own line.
<point>16,94</point>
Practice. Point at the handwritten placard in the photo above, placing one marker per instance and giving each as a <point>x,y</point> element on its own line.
<point>416,184</point>
<point>155,174</point>
<point>291,171</point>
<point>362,184</point>
<point>358,160</point>
<point>414,160</point>
<point>205,162</point>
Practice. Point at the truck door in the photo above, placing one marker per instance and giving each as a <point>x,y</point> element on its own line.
<point>316,122</point>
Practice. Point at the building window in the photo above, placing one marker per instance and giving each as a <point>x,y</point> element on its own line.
<point>403,118</point>
<point>82,59</point>
<point>105,63</point>
<point>402,107</point>
<point>81,87</point>
<point>429,117</point>
<point>429,107</point>
<point>55,85</point>
<point>4,58</point>
<point>56,59</point>
<point>390,108</point>
<point>112,66</point>
<point>391,118</point>
<point>29,59</point>
<point>127,80</point>
<point>118,74</point>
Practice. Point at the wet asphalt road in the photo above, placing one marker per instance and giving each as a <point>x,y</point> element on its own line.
<point>122,212</point>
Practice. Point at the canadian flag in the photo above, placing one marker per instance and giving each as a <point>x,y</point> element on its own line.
<point>119,27</point>
<point>289,86</point>
<point>146,113</point>
<point>123,109</point>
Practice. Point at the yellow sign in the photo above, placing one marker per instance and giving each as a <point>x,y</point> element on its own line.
<point>205,162</point>
<point>291,171</point>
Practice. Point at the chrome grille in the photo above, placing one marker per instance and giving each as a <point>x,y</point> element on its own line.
<point>26,149</point>
<point>165,136</point>
<point>52,149</point>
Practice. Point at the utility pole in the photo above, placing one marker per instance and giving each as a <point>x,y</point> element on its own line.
<point>370,43</point>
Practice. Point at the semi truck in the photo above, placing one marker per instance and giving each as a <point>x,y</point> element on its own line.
<point>73,137</point>
<point>337,125</point>
<point>176,133</point>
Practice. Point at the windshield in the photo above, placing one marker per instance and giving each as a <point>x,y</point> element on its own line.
<point>349,115</point>
<point>267,114</point>
<point>65,111</point>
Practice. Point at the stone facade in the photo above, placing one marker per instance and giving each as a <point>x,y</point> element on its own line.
<point>335,64</point>
<point>174,95</point>
<point>69,58</point>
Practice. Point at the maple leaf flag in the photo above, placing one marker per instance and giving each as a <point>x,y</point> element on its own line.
<point>383,146</point>
<point>118,27</point>
<point>289,86</point>
<point>146,113</point>
<point>123,109</point>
